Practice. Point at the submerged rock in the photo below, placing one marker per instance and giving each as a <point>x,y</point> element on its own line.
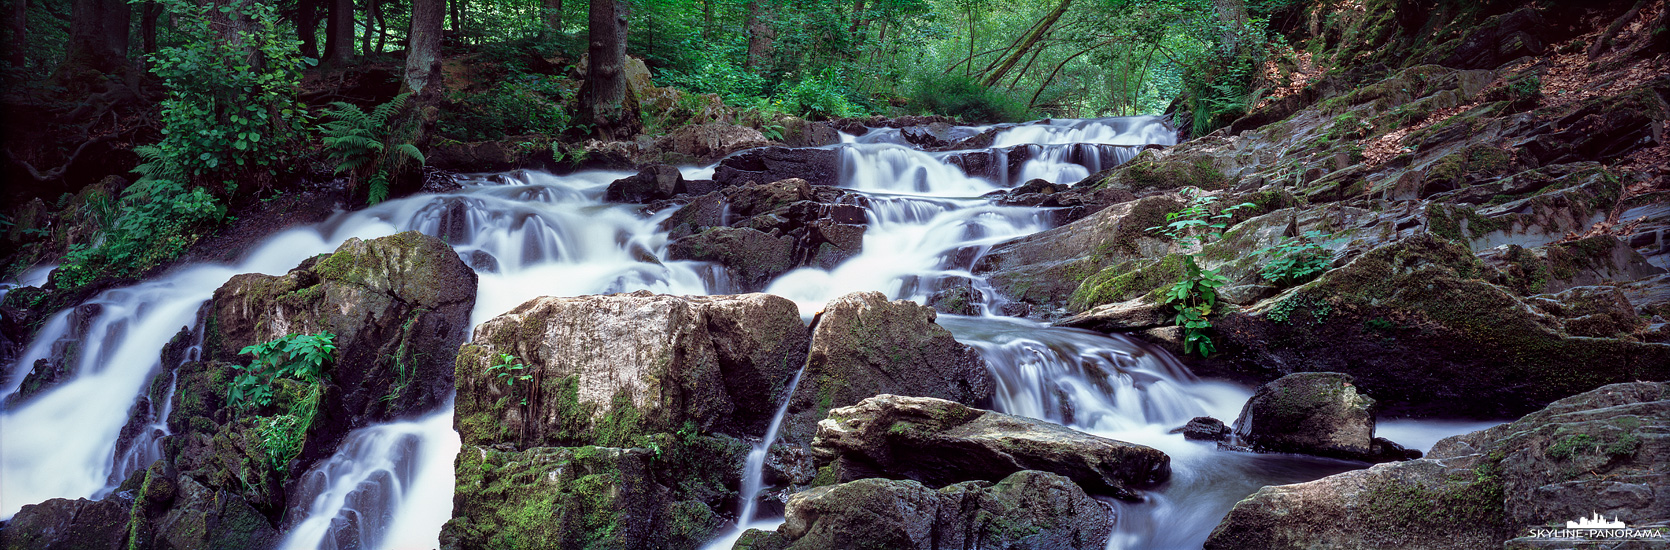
<point>1204,428</point>
<point>1025,510</point>
<point>1314,413</point>
<point>1598,452</point>
<point>863,345</point>
<point>939,442</point>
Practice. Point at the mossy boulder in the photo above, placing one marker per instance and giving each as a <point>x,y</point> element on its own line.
<point>607,426</point>
<point>1026,510</point>
<point>64,524</point>
<point>583,497</point>
<point>398,305</point>
<point>863,345</point>
<point>1160,170</point>
<point>1601,451</point>
<point>1314,413</point>
<point>940,442</point>
<point>1416,325</point>
<point>603,370</point>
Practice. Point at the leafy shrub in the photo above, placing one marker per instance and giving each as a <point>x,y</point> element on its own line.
<point>1196,294</point>
<point>823,96</point>
<point>963,97</point>
<point>521,104</point>
<point>231,108</point>
<point>297,357</point>
<point>158,222</point>
<point>717,74</point>
<point>369,146</point>
<point>1296,259</point>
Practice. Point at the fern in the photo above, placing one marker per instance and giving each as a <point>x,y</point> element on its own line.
<point>367,147</point>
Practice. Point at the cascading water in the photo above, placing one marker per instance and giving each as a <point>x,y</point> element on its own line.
<point>529,235</point>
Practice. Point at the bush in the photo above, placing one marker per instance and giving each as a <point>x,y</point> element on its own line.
<point>962,97</point>
<point>521,104</point>
<point>158,222</point>
<point>718,75</point>
<point>231,110</point>
<point>370,146</point>
<point>823,96</point>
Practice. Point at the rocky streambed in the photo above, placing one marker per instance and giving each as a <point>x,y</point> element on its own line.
<point>921,335</point>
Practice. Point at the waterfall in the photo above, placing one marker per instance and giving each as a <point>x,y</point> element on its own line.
<point>529,234</point>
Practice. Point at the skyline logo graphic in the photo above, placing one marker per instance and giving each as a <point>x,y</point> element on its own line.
<point>1596,521</point>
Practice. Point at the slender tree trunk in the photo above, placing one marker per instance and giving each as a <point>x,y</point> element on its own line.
<point>20,32</point>
<point>707,19</point>
<point>761,36</point>
<point>365,37</point>
<point>307,26</point>
<point>149,13</point>
<point>606,101</point>
<point>553,17</point>
<point>382,28</point>
<point>423,45</point>
<point>1038,32</point>
<point>968,70</point>
<point>857,19</point>
<point>1232,15</point>
<point>339,33</point>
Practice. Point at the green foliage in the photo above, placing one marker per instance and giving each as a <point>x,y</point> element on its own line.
<point>156,223</point>
<point>519,104</point>
<point>510,370</point>
<point>1196,294</point>
<point>720,75</point>
<point>1196,223</point>
<point>231,110</point>
<point>1296,259</point>
<point>297,357</point>
<point>824,96</point>
<point>369,146</point>
<point>960,96</point>
<point>1194,297</point>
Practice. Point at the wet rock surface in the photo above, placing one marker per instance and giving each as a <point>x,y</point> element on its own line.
<point>1028,509</point>
<point>864,345</point>
<point>1314,413</point>
<point>758,231</point>
<point>1597,452</point>
<point>619,424</point>
<point>940,442</point>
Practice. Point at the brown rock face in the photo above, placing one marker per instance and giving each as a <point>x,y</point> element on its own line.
<point>939,442</point>
<point>604,368</point>
<point>1028,509</point>
<point>864,345</point>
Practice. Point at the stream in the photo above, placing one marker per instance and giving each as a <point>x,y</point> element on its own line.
<point>530,234</point>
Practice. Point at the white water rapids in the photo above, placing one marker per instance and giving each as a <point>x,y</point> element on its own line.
<point>532,234</point>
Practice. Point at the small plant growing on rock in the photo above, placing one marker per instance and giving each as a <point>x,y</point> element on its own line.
<point>1196,294</point>
<point>510,370</point>
<point>297,356</point>
<point>1296,259</point>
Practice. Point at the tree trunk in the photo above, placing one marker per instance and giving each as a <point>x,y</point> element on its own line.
<point>99,34</point>
<point>1232,15</point>
<point>423,45</point>
<point>307,26</point>
<point>365,37</point>
<point>606,102</point>
<point>1038,32</point>
<point>382,28</point>
<point>20,32</point>
<point>761,36</point>
<point>149,13</point>
<point>339,33</point>
<point>553,17</point>
<point>857,20</point>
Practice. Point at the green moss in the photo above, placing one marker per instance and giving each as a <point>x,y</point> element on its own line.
<point>1115,284</point>
<point>1470,502</point>
<point>1460,223</point>
<point>1147,171</point>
